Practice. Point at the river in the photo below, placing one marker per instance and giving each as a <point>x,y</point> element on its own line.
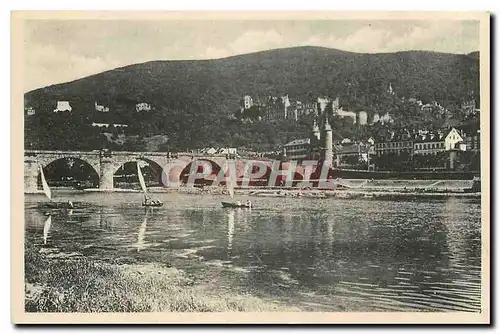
<point>317,254</point>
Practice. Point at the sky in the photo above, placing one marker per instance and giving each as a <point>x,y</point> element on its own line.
<point>58,51</point>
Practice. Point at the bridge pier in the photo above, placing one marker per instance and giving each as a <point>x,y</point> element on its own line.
<point>107,171</point>
<point>30,175</point>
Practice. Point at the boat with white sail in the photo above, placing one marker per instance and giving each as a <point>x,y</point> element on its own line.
<point>147,199</point>
<point>47,191</point>
<point>233,203</point>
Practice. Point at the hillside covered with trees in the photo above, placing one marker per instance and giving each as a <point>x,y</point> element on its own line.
<point>194,101</point>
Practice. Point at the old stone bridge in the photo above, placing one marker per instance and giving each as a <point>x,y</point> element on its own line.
<point>174,166</point>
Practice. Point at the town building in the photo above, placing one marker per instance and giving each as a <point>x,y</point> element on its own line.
<point>63,106</point>
<point>473,141</point>
<point>351,154</point>
<point>433,143</point>
<point>142,106</point>
<point>453,139</point>
<point>397,145</point>
<point>297,149</point>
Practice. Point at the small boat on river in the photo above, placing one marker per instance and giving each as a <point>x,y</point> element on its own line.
<point>233,203</point>
<point>148,202</point>
<point>52,204</point>
<point>236,204</point>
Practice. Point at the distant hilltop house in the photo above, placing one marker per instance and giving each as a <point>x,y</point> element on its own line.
<point>30,111</point>
<point>246,102</point>
<point>100,108</point>
<point>105,125</point>
<point>63,106</point>
<point>142,106</point>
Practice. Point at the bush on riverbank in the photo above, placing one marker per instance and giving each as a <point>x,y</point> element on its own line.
<point>83,285</point>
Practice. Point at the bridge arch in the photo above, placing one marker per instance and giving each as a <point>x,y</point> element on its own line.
<point>73,170</point>
<point>201,165</point>
<point>125,172</point>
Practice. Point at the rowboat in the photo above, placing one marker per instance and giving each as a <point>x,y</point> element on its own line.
<point>235,205</point>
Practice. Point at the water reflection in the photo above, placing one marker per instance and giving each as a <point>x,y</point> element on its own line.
<point>230,229</point>
<point>46,228</point>
<point>410,255</point>
<point>142,232</point>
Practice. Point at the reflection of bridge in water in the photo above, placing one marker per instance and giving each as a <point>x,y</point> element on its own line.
<point>175,168</point>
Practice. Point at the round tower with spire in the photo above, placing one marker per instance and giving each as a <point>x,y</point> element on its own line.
<point>328,137</point>
<point>315,133</point>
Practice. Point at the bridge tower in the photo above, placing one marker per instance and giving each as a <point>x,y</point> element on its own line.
<point>328,138</point>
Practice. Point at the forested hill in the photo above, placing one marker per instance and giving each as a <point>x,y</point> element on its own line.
<point>201,94</point>
<point>301,72</point>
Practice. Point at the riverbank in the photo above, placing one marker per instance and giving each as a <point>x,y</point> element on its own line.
<point>346,188</point>
<point>58,282</point>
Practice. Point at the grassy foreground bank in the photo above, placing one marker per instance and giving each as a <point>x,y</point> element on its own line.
<point>59,284</point>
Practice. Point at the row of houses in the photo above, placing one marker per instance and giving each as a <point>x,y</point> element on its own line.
<point>429,143</point>
<point>425,143</point>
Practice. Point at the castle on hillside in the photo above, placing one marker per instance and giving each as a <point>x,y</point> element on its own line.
<point>319,145</point>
